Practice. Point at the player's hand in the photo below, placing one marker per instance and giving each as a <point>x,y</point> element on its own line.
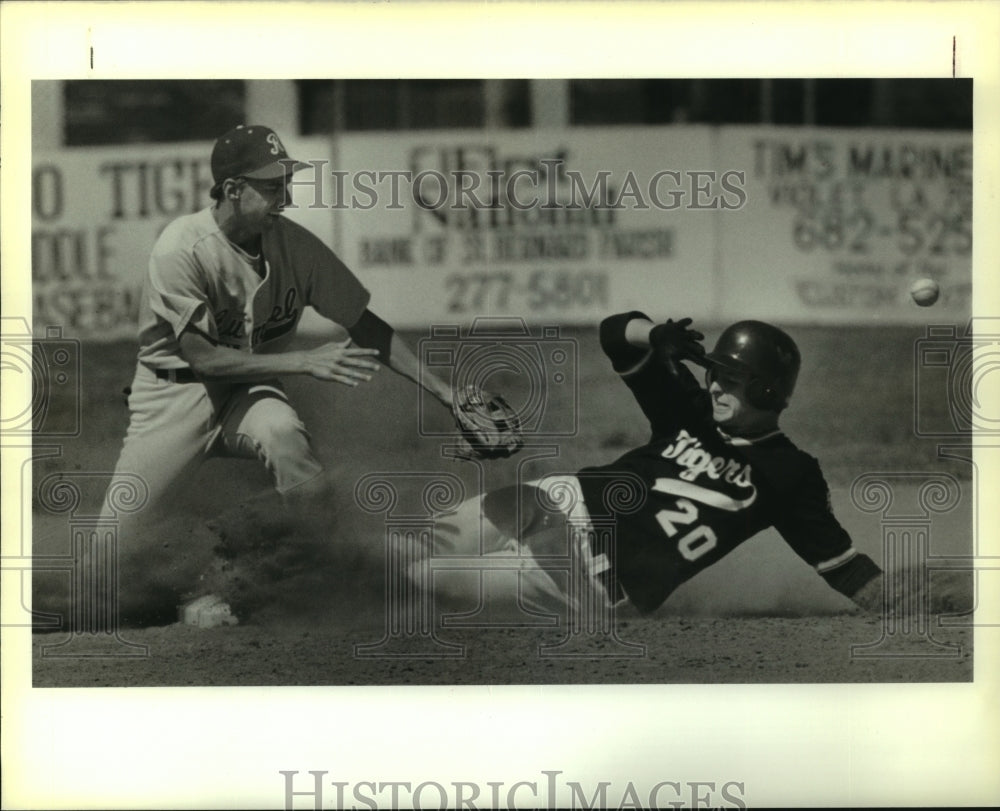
<point>340,362</point>
<point>675,340</point>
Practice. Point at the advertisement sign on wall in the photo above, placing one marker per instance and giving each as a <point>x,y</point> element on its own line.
<point>561,226</point>
<point>553,226</point>
<point>839,223</point>
<point>96,213</point>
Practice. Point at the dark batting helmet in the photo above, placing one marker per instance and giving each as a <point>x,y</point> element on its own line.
<point>765,354</point>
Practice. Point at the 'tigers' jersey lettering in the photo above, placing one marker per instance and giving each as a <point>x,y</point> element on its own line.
<point>711,498</point>
<point>687,451</point>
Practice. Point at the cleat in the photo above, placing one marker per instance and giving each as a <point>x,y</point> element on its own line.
<point>208,611</point>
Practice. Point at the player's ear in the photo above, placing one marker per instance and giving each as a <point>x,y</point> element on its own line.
<point>231,188</point>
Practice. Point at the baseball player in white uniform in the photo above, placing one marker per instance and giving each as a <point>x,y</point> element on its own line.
<point>222,298</point>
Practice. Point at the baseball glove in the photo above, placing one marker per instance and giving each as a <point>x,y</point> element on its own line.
<point>490,428</point>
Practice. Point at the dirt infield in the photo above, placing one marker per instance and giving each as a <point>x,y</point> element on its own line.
<point>759,616</point>
<point>662,650</point>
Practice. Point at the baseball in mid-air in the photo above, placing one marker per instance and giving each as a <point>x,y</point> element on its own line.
<point>925,292</point>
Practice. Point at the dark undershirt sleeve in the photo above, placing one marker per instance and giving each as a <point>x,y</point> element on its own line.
<point>624,357</point>
<point>372,332</point>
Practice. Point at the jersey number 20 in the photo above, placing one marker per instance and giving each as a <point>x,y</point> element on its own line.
<point>694,543</point>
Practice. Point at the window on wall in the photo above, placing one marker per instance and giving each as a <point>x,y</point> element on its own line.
<point>726,101</point>
<point>394,104</point>
<point>623,101</point>
<point>514,103</point>
<point>603,101</point>
<point>319,102</point>
<point>429,104</point>
<point>787,102</point>
<point>663,101</point>
<point>843,102</point>
<point>150,111</point>
<point>925,103</point>
<point>928,103</point>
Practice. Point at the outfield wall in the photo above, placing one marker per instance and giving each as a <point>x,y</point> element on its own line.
<point>795,225</point>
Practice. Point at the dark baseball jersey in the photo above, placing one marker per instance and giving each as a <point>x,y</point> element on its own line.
<point>692,494</point>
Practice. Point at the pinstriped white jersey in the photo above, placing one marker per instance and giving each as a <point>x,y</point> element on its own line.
<point>198,279</point>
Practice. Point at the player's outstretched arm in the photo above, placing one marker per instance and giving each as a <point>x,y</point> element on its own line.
<point>489,428</point>
<point>372,331</point>
<point>404,362</point>
<point>337,362</point>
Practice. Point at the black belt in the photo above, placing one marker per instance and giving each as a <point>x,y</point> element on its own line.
<point>184,375</point>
